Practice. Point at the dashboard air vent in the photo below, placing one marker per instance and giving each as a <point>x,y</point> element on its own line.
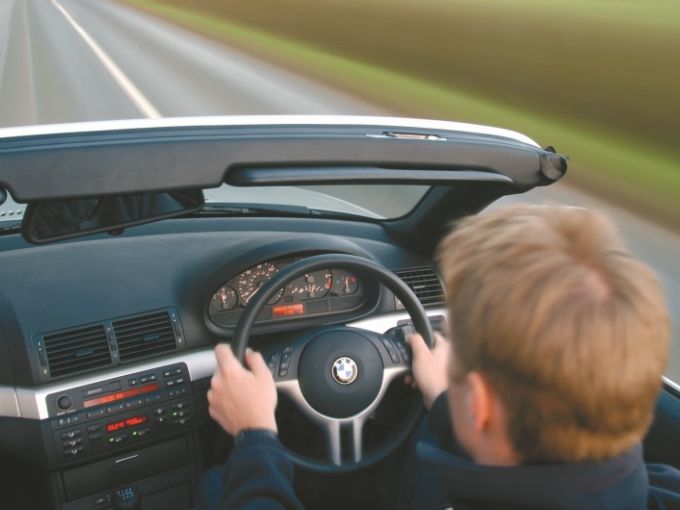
<point>77,350</point>
<point>144,335</point>
<point>425,284</point>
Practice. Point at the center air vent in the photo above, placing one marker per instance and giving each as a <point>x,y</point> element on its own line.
<point>424,283</point>
<point>77,350</point>
<point>144,335</point>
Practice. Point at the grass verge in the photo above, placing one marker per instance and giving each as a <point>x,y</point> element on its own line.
<point>641,177</point>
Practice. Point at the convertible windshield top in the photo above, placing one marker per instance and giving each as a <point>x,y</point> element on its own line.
<point>377,168</point>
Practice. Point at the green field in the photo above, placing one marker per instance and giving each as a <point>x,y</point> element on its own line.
<point>598,79</point>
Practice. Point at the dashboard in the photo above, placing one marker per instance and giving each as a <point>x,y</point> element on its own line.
<point>106,343</point>
<point>325,292</point>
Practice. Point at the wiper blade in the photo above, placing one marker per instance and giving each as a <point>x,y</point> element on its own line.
<point>253,210</point>
<point>235,209</point>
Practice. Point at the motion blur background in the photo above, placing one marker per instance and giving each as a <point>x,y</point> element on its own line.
<point>599,79</point>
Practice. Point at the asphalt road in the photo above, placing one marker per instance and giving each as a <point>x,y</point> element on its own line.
<point>78,60</point>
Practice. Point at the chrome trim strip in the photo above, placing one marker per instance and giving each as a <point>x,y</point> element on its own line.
<point>670,383</point>
<point>33,403</point>
<point>262,120</point>
<point>381,323</point>
<point>9,403</point>
<point>30,403</point>
<point>129,457</point>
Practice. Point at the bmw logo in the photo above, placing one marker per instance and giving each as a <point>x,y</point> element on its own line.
<point>344,370</point>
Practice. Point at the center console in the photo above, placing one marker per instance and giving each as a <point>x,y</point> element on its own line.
<point>125,442</point>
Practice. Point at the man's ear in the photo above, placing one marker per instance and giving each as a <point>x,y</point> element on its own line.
<point>478,401</point>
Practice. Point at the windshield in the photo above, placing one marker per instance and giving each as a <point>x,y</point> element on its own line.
<point>378,202</point>
<point>374,201</point>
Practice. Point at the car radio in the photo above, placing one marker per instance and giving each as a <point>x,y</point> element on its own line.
<point>110,415</point>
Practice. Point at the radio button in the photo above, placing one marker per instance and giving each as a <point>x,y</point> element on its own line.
<point>70,434</point>
<point>135,402</point>
<point>72,442</point>
<point>177,392</point>
<point>94,428</point>
<point>152,398</point>
<point>141,432</point>
<point>118,439</point>
<point>160,420</point>
<point>64,402</point>
<point>133,382</point>
<point>73,451</point>
<point>97,413</point>
<point>114,408</point>
<point>95,437</point>
<point>68,420</point>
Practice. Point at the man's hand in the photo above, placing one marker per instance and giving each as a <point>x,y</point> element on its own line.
<point>429,367</point>
<point>242,398</point>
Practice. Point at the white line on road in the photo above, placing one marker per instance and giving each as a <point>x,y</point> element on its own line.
<point>141,102</point>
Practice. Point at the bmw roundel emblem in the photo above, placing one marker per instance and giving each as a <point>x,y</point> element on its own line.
<point>344,370</point>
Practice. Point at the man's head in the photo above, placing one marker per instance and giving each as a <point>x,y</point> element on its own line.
<point>559,335</point>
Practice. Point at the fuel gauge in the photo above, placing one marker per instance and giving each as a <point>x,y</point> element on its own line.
<point>345,283</point>
<point>312,285</point>
<point>224,299</point>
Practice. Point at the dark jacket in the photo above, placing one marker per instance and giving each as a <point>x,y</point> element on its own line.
<point>620,483</point>
<point>259,476</point>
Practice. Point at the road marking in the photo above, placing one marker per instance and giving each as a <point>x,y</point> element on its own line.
<point>133,93</point>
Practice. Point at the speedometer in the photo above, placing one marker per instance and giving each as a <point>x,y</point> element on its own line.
<point>252,279</point>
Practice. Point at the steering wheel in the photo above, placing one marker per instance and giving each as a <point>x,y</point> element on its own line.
<point>338,375</point>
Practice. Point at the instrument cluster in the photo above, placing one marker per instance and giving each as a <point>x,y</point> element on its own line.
<point>315,293</point>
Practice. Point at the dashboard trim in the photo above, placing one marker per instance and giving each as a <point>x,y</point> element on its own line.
<point>31,403</point>
<point>9,403</point>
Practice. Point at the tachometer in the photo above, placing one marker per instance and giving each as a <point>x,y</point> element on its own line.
<point>252,279</point>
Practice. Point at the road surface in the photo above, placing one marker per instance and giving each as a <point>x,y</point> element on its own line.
<point>78,60</point>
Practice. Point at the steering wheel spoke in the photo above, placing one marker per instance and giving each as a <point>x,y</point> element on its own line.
<point>335,439</point>
<point>333,428</point>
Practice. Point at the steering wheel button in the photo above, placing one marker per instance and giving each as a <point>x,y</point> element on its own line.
<point>392,351</point>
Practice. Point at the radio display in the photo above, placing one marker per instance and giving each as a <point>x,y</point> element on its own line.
<point>128,422</point>
<point>120,395</point>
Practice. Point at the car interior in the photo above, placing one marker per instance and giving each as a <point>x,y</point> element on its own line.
<point>146,243</point>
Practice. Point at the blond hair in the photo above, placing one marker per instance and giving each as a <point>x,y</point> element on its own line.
<point>570,330</point>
